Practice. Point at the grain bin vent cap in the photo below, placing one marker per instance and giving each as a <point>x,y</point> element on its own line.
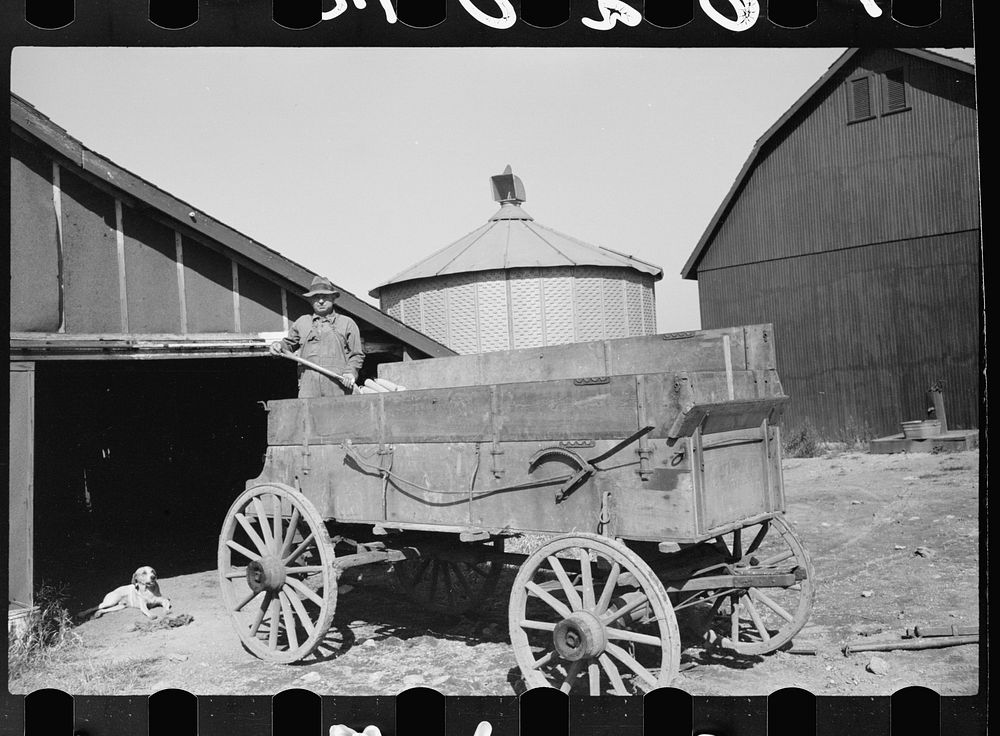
<point>511,238</point>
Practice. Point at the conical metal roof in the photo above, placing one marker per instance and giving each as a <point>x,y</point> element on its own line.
<point>512,239</point>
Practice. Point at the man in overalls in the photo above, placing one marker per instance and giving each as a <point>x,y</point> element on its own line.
<point>326,338</point>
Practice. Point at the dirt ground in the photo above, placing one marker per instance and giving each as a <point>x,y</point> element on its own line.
<point>861,517</point>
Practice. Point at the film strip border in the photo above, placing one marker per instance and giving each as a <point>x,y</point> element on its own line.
<point>912,711</point>
<point>514,22</point>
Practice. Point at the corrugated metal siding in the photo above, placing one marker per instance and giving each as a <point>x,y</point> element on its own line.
<point>34,253</point>
<point>525,307</point>
<point>861,334</point>
<point>827,184</point>
<point>494,324</point>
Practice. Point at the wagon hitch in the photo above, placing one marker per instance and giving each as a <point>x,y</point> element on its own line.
<point>586,467</point>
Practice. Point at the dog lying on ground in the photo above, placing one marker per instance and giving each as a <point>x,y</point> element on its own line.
<point>142,593</point>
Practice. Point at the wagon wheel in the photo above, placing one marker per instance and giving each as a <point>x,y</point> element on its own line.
<point>586,612</point>
<point>760,620</point>
<point>278,585</point>
<point>447,585</point>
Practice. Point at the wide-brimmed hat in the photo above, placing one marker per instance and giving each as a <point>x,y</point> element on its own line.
<point>321,285</point>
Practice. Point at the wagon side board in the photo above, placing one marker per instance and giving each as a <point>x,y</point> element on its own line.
<point>733,348</point>
<point>496,457</point>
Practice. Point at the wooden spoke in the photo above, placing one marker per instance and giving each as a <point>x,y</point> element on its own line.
<point>435,576</point>
<point>290,628</point>
<point>757,595</point>
<point>623,611</point>
<point>252,533</point>
<point>771,561</point>
<point>544,660</point>
<point>607,566</point>
<point>265,528</point>
<point>293,525</point>
<point>609,589</point>
<point>272,637</point>
<point>259,619</point>
<point>236,546</point>
<point>557,606</point>
<point>303,546</point>
<point>449,586</point>
<point>462,581</point>
<point>758,622</point>
<point>738,544</point>
<point>296,602</point>
<point>574,670</point>
<point>588,579</point>
<point>635,636</point>
<point>251,594</point>
<point>594,673</point>
<point>629,661</point>
<point>773,615</point>
<point>571,595</point>
<point>539,625</point>
<point>278,536</point>
<point>613,675</point>
<point>285,600</point>
<point>761,533</point>
<point>304,591</point>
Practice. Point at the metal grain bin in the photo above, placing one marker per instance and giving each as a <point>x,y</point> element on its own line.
<point>515,283</point>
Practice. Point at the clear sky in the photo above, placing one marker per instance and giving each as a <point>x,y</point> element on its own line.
<point>357,163</point>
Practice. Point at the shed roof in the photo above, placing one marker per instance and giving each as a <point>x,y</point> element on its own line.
<point>512,239</point>
<point>25,117</point>
<point>788,119</point>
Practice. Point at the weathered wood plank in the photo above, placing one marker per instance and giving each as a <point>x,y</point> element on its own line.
<point>692,351</point>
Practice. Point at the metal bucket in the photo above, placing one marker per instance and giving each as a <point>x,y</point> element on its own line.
<point>921,429</point>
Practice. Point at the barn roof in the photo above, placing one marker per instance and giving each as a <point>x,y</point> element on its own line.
<point>42,129</point>
<point>512,239</point>
<point>787,120</point>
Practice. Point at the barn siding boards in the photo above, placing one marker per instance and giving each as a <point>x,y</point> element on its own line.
<point>34,240</point>
<point>861,334</point>
<point>208,286</point>
<point>150,275</point>
<point>20,483</point>
<point>260,303</point>
<point>90,258</point>
<point>39,133</point>
<point>878,180</point>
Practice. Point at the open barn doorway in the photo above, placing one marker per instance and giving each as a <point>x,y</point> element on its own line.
<point>137,462</point>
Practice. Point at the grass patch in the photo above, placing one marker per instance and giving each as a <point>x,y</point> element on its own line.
<point>47,631</point>
<point>49,652</point>
<point>803,442</point>
<point>81,671</point>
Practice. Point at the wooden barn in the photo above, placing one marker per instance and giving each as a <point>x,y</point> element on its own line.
<point>854,227</point>
<point>138,364</point>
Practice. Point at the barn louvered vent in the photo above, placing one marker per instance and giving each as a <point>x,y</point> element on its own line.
<point>895,90</point>
<point>861,99</point>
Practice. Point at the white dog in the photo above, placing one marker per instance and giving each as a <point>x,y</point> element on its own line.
<point>143,592</point>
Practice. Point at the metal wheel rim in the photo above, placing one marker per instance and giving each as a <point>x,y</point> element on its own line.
<point>781,613</point>
<point>295,618</point>
<point>654,648</point>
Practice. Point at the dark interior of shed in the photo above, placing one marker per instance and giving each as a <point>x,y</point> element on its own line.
<point>137,462</point>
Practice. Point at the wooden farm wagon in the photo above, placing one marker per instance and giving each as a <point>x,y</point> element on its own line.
<point>649,468</point>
